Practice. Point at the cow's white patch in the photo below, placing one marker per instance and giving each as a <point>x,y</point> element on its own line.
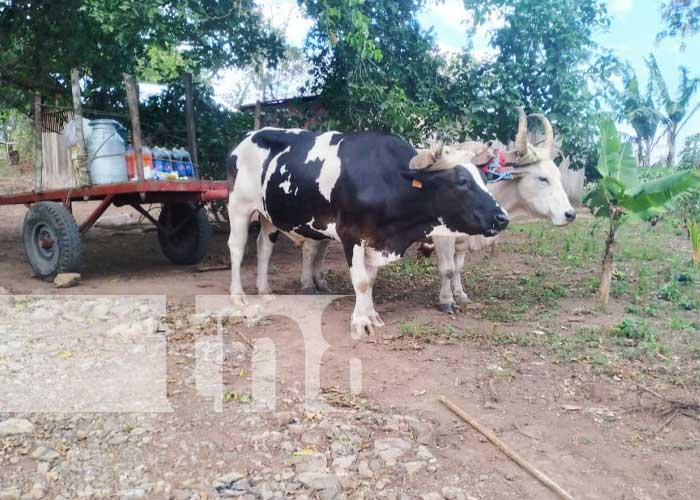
<point>476,175</point>
<point>380,258</point>
<point>443,230</point>
<point>286,186</point>
<point>329,231</point>
<point>322,150</point>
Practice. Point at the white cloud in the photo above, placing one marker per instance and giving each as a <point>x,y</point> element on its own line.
<point>619,6</point>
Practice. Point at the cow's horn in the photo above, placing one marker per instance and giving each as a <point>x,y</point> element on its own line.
<point>521,136</point>
<point>548,132</point>
<point>437,150</point>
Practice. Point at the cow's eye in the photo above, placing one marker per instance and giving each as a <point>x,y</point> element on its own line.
<point>462,182</point>
<point>543,179</point>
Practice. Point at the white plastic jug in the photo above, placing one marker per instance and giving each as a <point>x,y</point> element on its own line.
<point>106,153</point>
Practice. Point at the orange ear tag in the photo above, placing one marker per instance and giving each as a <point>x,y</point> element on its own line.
<point>416,184</point>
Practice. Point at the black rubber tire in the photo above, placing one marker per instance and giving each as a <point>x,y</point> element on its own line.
<point>189,245</point>
<point>51,240</point>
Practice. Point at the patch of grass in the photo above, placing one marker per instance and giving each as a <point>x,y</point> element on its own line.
<point>638,338</point>
<point>669,292</point>
<point>427,331</point>
<point>586,345</point>
<point>415,329</point>
<point>681,324</point>
<point>408,270</point>
<point>649,310</point>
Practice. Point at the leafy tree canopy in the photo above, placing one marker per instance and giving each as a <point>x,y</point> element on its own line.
<point>163,124</point>
<point>682,19</point>
<point>545,60</point>
<point>373,65</point>
<point>41,40</point>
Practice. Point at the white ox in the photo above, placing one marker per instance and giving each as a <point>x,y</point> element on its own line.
<point>535,190</point>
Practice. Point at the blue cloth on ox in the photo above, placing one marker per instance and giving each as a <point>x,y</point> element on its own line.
<point>497,170</point>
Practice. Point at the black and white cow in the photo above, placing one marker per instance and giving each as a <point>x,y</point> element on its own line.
<point>370,191</point>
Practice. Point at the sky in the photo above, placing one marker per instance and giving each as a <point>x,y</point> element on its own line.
<point>632,35</point>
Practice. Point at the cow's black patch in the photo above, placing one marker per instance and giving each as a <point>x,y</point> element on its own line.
<point>273,236</point>
<point>231,171</point>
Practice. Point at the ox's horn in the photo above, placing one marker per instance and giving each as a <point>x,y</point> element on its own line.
<point>426,158</point>
<point>423,159</point>
<point>521,136</point>
<point>548,133</point>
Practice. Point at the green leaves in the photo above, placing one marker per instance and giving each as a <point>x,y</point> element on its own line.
<point>374,67</point>
<point>619,193</point>
<point>616,160</point>
<point>41,41</point>
<point>694,234</point>
<point>544,62</point>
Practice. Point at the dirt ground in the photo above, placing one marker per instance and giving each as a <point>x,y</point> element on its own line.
<point>592,431</point>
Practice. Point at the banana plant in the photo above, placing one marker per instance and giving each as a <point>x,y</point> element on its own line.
<point>694,235</point>
<point>621,197</point>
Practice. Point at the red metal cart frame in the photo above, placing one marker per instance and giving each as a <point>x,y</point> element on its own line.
<point>51,235</point>
<point>52,238</point>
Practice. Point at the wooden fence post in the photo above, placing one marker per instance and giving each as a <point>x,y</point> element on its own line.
<point>132,99</point>
<point>81,169</point>
<point>190,122</point>
<point>38,150</point>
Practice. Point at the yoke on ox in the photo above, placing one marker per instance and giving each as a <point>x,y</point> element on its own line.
<point>370,191</point>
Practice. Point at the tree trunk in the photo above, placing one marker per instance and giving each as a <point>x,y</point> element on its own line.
<point>640,152</point>
<point>647,152</point>
<point>606,268</point>
<point>671,156</point>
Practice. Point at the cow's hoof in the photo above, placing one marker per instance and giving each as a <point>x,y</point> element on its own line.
<point>448,308</point>
<point>364,326</point>
<point>322,286</point>
<point>267,297</point>
<point>462,299</point>
<point>309,290</point>
<point>239,300</point>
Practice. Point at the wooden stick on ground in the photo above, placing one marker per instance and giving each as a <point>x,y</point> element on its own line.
<point>507,450</point>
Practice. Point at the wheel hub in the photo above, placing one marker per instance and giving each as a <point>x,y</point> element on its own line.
<point>45,241</point>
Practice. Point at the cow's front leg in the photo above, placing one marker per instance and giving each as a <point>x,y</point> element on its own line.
<point>319,281</point>
<point>364,317</point>
<point>460,296</point>
<point>266,242</point>
<point>445,255</point>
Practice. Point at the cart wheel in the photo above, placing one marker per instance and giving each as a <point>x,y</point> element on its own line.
<point>184,233</point>
<point>51,239</point>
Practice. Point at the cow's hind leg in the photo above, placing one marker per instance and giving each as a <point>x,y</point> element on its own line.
<point>266,242</point>
<point>460,296</point>
<point>445,254</point>
<point>309,251</point>
<point>319,281</point>
<point>238,219</point>
<point>364,317</point>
